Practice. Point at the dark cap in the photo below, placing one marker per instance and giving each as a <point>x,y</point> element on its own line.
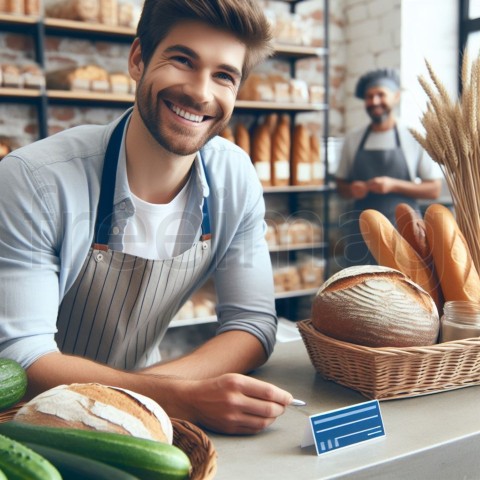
<point>384,77</point>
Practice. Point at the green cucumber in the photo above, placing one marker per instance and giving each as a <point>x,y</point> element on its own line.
<point>77,467</point>
<point>18,462</point>
<point>147,459</point>
<point>13,382</point>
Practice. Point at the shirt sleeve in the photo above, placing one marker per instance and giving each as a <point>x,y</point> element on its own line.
<point>29,266</point>
<point>243,277</point>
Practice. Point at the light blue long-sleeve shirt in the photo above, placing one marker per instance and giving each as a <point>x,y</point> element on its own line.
<point>48,201</point>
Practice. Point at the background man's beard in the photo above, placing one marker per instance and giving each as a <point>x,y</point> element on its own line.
<point>377,119</point>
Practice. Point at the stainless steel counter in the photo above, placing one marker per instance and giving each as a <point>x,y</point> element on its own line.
<point>428,437</point>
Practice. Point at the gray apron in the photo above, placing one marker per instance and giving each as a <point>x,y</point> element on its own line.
<point>367,165</point>
<point>120,305</point>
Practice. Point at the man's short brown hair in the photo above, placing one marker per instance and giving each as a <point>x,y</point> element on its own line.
<point>242,18</point>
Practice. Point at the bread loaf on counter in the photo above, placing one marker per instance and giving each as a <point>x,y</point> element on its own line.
<point>375,306</point>
<point>390,249</point>
<point>453,262</point>
<point>91,406</point>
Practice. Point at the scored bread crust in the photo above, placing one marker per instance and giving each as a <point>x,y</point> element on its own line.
<point>91,406</point>
<point>377,307</point>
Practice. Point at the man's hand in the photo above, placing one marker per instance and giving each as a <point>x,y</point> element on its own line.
<point>231,403</point>
<point>358,189</point>
<point>382,185</point>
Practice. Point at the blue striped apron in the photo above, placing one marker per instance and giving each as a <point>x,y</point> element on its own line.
<point>120,305</point>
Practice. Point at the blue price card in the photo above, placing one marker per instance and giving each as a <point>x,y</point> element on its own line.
<point>346,426</point>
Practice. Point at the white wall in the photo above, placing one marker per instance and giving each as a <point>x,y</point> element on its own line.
<point>429,32</point>
<point>372,31</point>
<point>399,34</point>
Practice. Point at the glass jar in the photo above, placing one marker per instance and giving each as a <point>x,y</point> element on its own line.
<point>460,319</point>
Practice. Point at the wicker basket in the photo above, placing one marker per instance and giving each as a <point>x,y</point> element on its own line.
<point>186,436</point>
<point>390,372</point>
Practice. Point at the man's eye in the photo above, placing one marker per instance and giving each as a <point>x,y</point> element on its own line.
<point>226,77</point>
<point>182,60</point>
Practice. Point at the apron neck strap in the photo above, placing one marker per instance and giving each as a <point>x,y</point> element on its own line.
<point>107,186</point>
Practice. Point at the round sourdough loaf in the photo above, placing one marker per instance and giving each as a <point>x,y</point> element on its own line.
<point>377,307</point>
<point>91,406</point>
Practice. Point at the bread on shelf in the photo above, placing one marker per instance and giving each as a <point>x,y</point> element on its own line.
<point>281,146</point>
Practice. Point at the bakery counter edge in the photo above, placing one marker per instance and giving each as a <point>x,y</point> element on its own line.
<point>434,436</point>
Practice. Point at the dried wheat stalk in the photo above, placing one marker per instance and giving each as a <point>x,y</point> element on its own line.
<point>452,140</point>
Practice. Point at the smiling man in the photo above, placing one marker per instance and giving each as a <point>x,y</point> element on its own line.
<point>105,231</point>
<point>381,164</point>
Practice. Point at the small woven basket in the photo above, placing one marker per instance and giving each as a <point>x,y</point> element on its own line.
<point>387,373</point>
<point>186,436</point>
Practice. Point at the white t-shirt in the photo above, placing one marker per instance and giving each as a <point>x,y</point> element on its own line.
<point>152,231</point>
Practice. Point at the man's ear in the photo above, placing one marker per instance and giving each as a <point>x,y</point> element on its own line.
<point>135,62</point>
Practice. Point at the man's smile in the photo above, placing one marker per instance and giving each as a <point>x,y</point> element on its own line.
<point>192,117</point>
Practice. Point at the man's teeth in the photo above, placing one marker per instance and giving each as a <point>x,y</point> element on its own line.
<point>187,115</point>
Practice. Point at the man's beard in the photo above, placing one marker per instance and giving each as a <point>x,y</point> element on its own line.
<point>180,141</point>
<point>378,119</point>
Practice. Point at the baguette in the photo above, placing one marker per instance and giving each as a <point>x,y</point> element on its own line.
<point>261,153</point>
<point>242,137</point>
<point>459,278</point>
<point>390,249</point>
<point>281,145</point>
<point>412,228</point>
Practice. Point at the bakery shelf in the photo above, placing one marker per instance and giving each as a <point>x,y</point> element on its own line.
<point>18,20</point>
<point>80,96</point>
<point>192,321</point>
<point>280,106</point>
<point>19,93</point>
<point>296,293</point>
<point>299,51</point>
<point>296,246</point>
<point>77,96</point>
<point>86,29</point>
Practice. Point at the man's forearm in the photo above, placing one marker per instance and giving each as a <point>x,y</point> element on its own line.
<point>235,351</point>
<point>425,190</point>
<point>55,369</point>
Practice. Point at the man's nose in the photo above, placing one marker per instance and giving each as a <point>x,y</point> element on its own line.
<point>199,87</point>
